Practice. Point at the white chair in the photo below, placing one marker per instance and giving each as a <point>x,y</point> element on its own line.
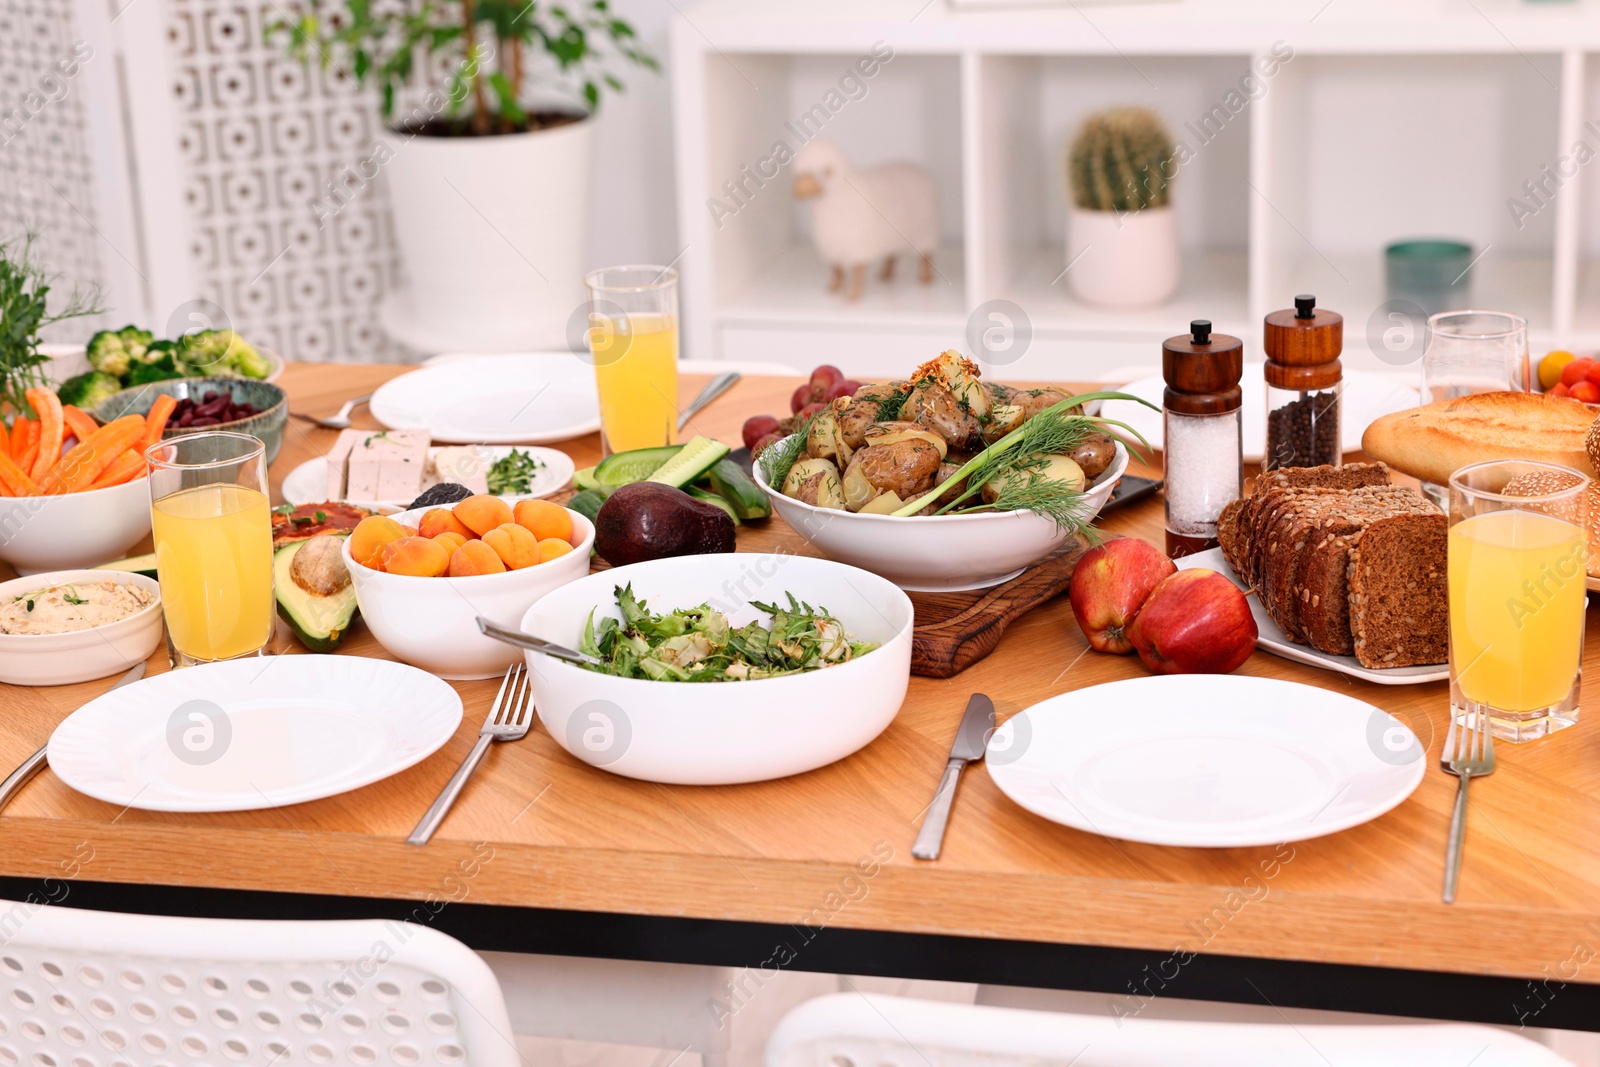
<point>866,1030</point>
<point>101,989</point>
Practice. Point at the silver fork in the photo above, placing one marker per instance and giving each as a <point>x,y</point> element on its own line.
<point>340,420</point>
<point>508,720</point>
<point>1468,753</point>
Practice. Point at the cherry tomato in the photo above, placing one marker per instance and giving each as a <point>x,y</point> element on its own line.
<point>1576,371</point>
<point>1586,391</point>
<point>1558,389</point>
<point>1594,374</point>
<point>756,427</point>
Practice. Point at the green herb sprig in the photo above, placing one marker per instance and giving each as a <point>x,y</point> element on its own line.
<point>781,455</point>
<point>513,473</point>
<point>24,312</point>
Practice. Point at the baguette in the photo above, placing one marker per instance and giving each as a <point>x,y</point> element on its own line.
<point>1435,440</point>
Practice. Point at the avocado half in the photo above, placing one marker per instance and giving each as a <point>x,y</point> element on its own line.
<point>319,620</point>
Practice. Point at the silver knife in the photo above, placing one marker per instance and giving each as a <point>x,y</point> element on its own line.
<point>714,388</point>
<point>35,763</point>
<point>976,726</point>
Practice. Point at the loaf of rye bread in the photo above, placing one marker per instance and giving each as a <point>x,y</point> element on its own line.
<point>1234,525</point>
<point>1399,592</point>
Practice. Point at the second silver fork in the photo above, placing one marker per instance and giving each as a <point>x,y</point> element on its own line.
<point>508,720</point>
<point>1468,753</point>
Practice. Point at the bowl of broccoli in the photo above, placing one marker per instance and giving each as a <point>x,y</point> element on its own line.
<point>115,360</point>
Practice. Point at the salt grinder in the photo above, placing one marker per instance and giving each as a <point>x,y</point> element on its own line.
<point>1303,385</point>
<point>1201,430</point>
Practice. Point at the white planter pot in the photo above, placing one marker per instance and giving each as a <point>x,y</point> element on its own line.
<point>492,234</point>
<point>1123,260</point>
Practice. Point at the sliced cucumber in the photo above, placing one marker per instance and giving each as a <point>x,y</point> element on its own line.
<point>736,487</point>
<point>625,468</point>
<point>696,457</point>
<point>712,498</point>
<point>587,503</point>
<point>584,479</point>
<point>145,565</point>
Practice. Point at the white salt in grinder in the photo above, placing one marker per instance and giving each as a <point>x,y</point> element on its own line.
<point>1201,430</point>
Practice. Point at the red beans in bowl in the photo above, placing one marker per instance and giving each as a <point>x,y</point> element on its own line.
<point>213,409</point>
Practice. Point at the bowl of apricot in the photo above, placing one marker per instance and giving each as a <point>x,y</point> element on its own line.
<point>422,577</point>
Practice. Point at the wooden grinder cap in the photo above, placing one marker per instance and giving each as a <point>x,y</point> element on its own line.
<point>1202,371</point>
<point>1303,345</point>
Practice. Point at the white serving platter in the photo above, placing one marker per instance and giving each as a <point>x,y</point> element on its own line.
<point>497,400</point>
<point>254,733</point>
<point>1366,396</point>
<point>1271,638</point>
<point>308,483</point>
<point>1206,761</point>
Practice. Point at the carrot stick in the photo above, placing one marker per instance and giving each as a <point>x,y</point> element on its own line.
<point>52,429</point>
<point>80,423</point>
<point>156,421</point>
<point>25,461</point>
<point>5,439</point>
<point>15,479</point>
<point>24,432</point>
<point>124,468</point>
<point>79,468</point>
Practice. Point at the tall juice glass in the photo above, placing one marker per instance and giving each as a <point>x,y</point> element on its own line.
<point>633,340</point>
<point>1518,547</point>
<point>213,536</point>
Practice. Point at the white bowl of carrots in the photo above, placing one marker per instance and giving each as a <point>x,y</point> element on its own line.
<point>72,492</point>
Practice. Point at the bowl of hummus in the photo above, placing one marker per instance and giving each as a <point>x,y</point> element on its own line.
<point>62,627</point>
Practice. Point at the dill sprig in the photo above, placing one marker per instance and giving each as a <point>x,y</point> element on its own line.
<point>24,296</point>
<point>889,407</point>
<point>1046,434</point>
<point>781,455</point>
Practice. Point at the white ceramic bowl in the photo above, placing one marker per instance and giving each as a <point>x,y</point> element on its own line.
<point>430,622</point>
<point>49,533</point>
<point>718,733</point>
<point>82,655</point>
<point>931,553</point>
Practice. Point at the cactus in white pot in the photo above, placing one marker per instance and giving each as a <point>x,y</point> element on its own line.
<point>1122,235</point>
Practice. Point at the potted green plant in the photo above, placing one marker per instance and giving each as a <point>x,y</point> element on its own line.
<point>1122,235</point>
<point>487,164</point>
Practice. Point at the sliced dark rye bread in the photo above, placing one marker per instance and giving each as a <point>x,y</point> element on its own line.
<point>1349,476</point>
<point>1321,584</point>
<point>1232,535</point>
<point>1236,524</point>
<point>1399,593</point>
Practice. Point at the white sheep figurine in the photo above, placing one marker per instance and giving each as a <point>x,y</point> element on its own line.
<point>865,215</point>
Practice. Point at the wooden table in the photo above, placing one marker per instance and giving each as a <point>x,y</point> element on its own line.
<point>544,853</point>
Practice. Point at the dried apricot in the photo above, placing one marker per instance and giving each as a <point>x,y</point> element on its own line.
<point>419,557</point>
<point>544,519</point>
<point>475,557</point>
<point>551,547</point>
<point>482,513</point>
<point>436,521</point>
<point>369,537</point>
<point>515,546</point>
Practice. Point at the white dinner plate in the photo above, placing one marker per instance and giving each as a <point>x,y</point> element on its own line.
<point>497,400</point>
<point>254,733</point>
<point>308,483</point>
<point>1271,638</point>
<point>1206,760</point>
<point>1366,396</point>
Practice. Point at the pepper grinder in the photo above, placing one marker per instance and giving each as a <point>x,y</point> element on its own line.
<point>1201,430</point>
<point>1304,380</point>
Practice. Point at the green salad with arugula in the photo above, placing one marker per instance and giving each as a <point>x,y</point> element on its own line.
<point>699,644</point>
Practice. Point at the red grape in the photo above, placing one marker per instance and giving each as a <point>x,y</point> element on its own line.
<point>765,443</point>
<point>824,377</point>
<point>756,427</point>
<point>801,397</point>
<point>811,409</point>
<point>842,387</point>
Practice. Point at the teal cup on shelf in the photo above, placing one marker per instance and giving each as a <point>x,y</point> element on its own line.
<point>1436,274</point>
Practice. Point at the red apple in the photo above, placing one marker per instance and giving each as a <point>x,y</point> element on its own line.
<point>1194,622</point>
<point>756,427</point>
<point>1109,586</point>
<point>842,387</point>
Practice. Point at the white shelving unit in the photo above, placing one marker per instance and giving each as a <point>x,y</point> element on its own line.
<point>1390,119</point>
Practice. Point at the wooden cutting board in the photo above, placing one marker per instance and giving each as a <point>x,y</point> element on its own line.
<point>955,630</point>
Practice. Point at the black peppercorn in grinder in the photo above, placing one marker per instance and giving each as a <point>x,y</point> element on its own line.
<point>1304,382</point>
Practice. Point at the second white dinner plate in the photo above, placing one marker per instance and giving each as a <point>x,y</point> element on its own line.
<point>253,733</point>
<point>1271,638</point>
<point>523,398</point>
<point>1366,396</point>
<point>308,483</point>
<point>1209,761</point>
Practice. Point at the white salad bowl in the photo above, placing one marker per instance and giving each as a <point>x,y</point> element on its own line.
<point>81,655</point>
<point>47,533</point>
<point>720,733</point>
<point>431,623</point>
<point>934,553</point>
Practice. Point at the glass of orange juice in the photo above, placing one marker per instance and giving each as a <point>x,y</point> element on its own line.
<point>213,534</point>
<point>633,341</point>
<point>1517,563</point>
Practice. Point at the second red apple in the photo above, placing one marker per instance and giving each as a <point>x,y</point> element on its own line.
<point>1109,586</point>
